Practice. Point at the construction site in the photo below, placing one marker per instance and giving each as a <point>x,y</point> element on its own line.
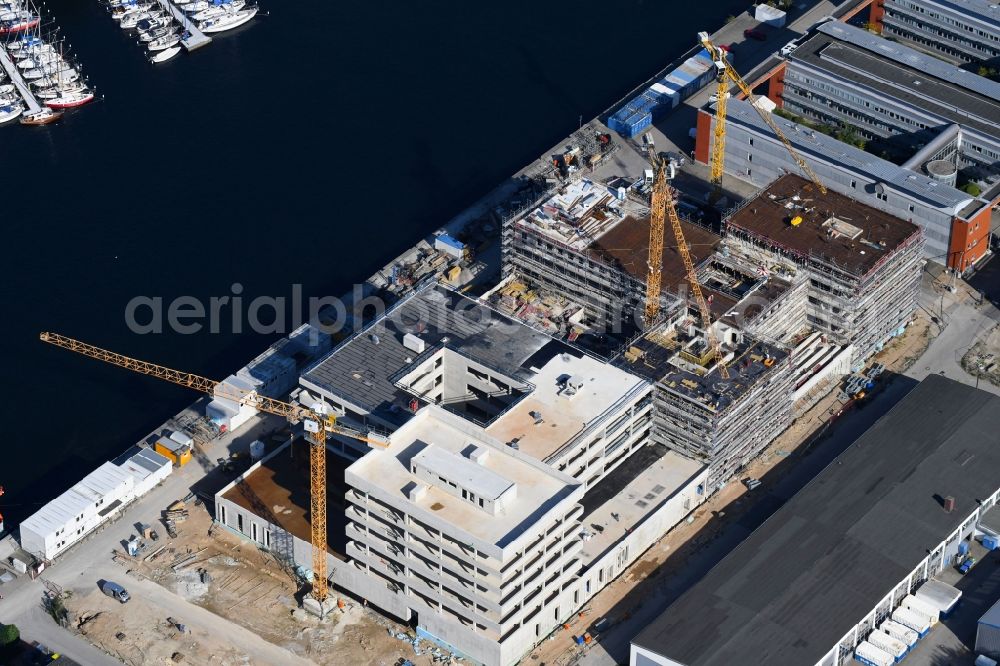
<point>461,478</point>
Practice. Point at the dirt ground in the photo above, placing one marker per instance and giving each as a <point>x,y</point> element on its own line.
<point>250,587</point>
<point>681,543</point>
<point>246,586</point>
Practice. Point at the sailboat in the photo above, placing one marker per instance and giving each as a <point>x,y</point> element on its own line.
<point>227,22</point>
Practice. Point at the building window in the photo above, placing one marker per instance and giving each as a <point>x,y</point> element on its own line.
<point>854,184</point>
<point>748,171</point>
<point>911,207</point>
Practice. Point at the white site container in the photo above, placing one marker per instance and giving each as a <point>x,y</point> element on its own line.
<point>900,632</point>
<point>942,596</point>
<point>922,607</point>
<point>867,653</point>
<point>181,438</point>
<point>884,641</point>
<point>918,622</point>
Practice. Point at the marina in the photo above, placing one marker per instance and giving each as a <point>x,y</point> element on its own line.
<point>164,27</point>
<point>196,38</point>
<point>43,80</point>
<point>22,86</point>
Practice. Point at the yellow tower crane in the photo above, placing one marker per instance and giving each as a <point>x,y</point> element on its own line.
<point>727,75</point>
<point>661,206</point>
<point>317,424</point>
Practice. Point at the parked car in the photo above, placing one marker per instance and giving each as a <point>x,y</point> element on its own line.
<point>751,33</point>
<point>115,591</point>
<point>966,565</point>
<point>751,483</point>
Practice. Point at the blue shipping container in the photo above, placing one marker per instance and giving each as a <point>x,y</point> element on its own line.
<point>682,76</point>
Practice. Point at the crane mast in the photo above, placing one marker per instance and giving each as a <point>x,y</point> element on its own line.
<point>725,74</point>
<point>316,424</point>
<point>662,205</point>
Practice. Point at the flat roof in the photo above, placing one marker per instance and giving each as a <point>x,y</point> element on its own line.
<point>87,491</point>
<point>914,59</point>
<point>565,413</point>
<point>278,492</point>
<point>768,214</point>
<point>469,475</point>
<point>540,488</point>
<point>363,369</point>
<point>577,213</point>
<point>818,146</point>
<point>711,390</point>
<point>629,494</point>
<point>626,245</point>
<point>798,583</point>
<point>987,10</point>
<point>891,68</point>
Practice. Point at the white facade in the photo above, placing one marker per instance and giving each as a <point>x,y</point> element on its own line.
<point>427,541</point>
<point>74,514</point>
<point>227,413</point>
<point>148,468</point>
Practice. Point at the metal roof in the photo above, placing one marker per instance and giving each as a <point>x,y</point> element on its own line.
<point>89,490</point>
<point>797,585</point>
<point>818,146</point>
<point>912,58</point>
<point>992,616</point>
<point>363,369</point>
<point>986,10</point>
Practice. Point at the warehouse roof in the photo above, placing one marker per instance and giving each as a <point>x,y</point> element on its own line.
<point>792,589</point>
<point>849,234</point>
<point>818,146</point>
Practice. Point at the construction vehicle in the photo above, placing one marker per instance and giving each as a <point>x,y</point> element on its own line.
<point>662,205</point>
<point>316,422</point>
<point>726,75</point>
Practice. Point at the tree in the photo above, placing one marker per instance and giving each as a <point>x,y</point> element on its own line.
<point>9,633</point>
<point>972,188</point>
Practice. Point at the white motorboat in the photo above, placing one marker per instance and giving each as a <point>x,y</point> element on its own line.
<point>165,42</point>
<point>219,10</point>
<point>133,19</point>
<point>120,13</point>
<point>156,33</point>
<point>228,22</point>
<point>10,112</point>
<point>165,54</point>
<point>146,25</point>
<point>6,88</point>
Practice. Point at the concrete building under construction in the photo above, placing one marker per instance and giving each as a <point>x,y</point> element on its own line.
<point>588,245</point>
<point>861,265</point>
<point>723,422</point>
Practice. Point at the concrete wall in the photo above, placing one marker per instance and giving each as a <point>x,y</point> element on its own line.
<point>642,657</point>
<point>613,562</point>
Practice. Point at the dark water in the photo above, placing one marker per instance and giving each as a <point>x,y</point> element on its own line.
<point>310,147</point>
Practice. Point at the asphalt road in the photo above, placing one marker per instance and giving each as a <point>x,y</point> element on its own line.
<point>962,322</point>
<point>79,569</point>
